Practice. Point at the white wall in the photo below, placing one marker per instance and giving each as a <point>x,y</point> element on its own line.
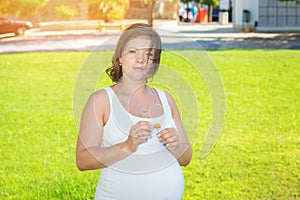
<point>239,6</point>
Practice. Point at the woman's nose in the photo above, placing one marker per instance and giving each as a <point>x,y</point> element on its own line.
<point>140,57</point>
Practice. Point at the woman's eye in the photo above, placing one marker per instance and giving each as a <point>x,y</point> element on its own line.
<point>150,55</point>
<point>132,51</point>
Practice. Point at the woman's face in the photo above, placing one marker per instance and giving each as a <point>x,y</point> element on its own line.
<point>137,58</point>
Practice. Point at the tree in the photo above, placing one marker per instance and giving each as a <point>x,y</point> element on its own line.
<point>151,5</point>
<point>65,12</point>
<point>107,10</point>
<point>21,8</point>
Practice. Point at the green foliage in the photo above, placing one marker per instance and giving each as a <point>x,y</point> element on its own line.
<point>21,8</point>
<point>107,10</point>
<point>257,156</point>
<point>65,12</point>
<point>117,12</point>
<point>206,2</point>
<point>210,2</point>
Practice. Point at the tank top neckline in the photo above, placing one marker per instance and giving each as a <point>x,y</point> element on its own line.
<point>134,116</point>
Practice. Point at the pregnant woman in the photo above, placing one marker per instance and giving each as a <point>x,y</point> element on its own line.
<point>131,132</point>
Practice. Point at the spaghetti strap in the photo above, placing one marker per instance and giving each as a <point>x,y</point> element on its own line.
<point>164,102</point>
<point>110,94</point>
<point>109,91</point>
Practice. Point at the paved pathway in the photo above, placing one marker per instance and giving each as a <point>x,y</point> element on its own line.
<point>215,36</point>
<point>174,35</point>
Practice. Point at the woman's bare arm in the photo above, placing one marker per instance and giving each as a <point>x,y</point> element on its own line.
<point>183,151</point>
<point>89,153</point>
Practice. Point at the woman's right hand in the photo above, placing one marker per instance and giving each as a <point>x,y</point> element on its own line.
<point>138,133</point>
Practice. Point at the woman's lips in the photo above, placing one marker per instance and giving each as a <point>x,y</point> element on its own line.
<point>138,68</point>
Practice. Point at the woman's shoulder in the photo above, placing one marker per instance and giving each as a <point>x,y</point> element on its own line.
<point>104,90</point>
<point>101,95</point>
<point>98,101</point>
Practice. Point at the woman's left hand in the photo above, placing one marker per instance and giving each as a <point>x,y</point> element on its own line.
<point>169,137</point>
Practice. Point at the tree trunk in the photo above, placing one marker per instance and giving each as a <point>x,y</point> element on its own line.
<point>150,12</point>
<point>210,9</point>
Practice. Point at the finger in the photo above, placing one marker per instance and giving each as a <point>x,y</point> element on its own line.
<point>144,123</point>
<point>167,135</point>
<point>139,139</point>
<point>144,133</point>
<point>141,133</point>
<point>166,131</point>
<point>140,127</point>
<point>172,146</point>
<point>170,130</point>
<point>170,140</point>
<point>145,128</point>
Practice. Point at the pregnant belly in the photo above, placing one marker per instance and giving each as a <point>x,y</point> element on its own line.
<point>165,184</point>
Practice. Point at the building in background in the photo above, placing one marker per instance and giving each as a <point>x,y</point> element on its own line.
<point>266,15</point>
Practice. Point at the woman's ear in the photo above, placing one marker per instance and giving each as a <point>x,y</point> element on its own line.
<point>120,60</point>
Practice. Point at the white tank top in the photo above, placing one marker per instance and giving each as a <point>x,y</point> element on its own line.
<point>152,166</point>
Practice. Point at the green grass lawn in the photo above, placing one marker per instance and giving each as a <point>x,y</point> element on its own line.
<point>257,156</point>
